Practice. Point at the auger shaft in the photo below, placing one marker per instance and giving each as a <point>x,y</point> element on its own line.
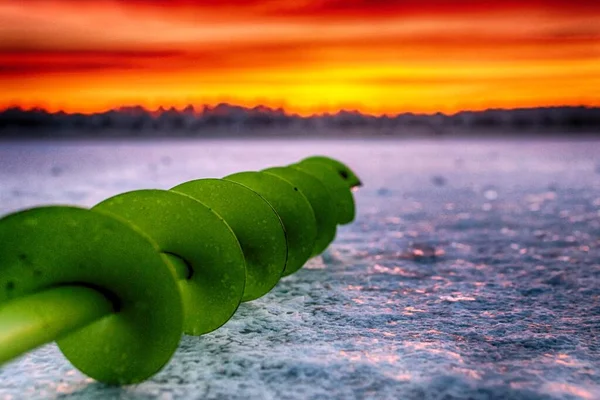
<point>180,267</point>
<point>31,321</point>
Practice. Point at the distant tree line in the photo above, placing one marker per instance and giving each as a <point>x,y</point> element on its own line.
<point>231,119</point>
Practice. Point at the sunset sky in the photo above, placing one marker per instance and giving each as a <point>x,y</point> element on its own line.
<point>304,55</point>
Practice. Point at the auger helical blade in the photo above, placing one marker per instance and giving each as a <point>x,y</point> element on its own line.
<point>338,188</point>
<point>293,208</point>
<point>320,200</point>
<point>47,248</point>
<point>342,169</point>
<point>117,285</point>
<point>254,222</point>
<point>186,229</point>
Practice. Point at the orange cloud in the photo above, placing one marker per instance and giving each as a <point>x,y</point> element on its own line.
<point>311,56</point>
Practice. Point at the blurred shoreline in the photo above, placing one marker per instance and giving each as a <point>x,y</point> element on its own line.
<point>229,121</point>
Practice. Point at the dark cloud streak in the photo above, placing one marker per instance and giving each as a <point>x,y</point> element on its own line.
<point>343,9</point>
<point>30,62</point>
<point>300,52</point>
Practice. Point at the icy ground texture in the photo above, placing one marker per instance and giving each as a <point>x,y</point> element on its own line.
<point>472,272</point>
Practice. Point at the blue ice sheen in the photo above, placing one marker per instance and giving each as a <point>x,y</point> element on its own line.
<point>472,272</point>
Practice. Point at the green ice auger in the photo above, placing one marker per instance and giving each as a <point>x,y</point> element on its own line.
<point>117,284</point>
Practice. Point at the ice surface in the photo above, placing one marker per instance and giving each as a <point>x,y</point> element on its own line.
<point>472,272</point>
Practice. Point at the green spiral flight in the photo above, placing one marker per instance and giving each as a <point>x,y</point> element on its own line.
<point>116,285</point>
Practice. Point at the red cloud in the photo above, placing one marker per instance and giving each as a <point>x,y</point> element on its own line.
<point>335,9</point>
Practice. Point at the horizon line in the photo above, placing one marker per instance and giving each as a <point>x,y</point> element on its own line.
<point>200,108</point>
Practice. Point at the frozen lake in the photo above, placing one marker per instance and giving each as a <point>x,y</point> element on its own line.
<point>471,272</point>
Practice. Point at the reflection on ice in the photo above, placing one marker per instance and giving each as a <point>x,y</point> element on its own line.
<point>457,297</point>
<point>562,389</point>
